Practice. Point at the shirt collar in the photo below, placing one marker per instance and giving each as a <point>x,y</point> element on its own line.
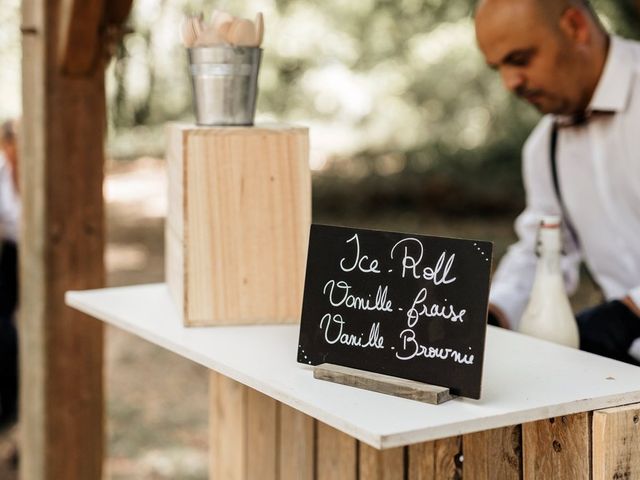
<point>614,87</point>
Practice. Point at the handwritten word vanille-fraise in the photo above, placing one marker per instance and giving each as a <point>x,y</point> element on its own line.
<point>410,252</point>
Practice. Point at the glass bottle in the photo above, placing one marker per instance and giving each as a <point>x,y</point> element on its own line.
<point>548,314</point>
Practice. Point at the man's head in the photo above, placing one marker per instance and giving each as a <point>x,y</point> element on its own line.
<point>548,52</point>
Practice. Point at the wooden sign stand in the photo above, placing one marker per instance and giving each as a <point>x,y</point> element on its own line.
<point>377,382</point>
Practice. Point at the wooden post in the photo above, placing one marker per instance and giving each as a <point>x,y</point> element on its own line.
<point>616,442</point>
<point>61,247</point>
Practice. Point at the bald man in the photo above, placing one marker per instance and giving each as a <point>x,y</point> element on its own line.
<point>582,161</point>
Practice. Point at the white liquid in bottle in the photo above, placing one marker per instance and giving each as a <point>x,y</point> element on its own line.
<point>548,315</point>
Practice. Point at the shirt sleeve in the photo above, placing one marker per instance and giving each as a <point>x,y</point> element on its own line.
<point>513,280</point>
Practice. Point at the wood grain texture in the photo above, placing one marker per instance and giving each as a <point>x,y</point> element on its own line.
<point>246,213</point>
<point>616,443</point>
<point>493,454</point>
<point>447,458</point>
<point>421,461</point>
<point>61,249</point>
<point>557,448</point>
<point>376,382</point>
<point>262,436</point>
<point>79,41</point>
<point>175,248</point>
<point>381,464</point>
<point>296,445</point>
<point>228,429</point>
<point>437,460</point>
<point>336,454</point>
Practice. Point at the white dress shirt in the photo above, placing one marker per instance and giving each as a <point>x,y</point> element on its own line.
<point>599,175</point>
<point>9,203</point>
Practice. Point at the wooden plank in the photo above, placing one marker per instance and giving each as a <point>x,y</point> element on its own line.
<point>447,455</point>
<point>616,443</point>
<point>262,436</point>
<point>32,333</point>
<point>421,461</point>
<point>297,445</point>
<point>438,460</point>
<point>381,464</point>
<point>495,453</point>
<point>79,41</point>
<point>377,382</point>
<point>175,249</point>
<point>336,454</point>
<point>228,429</point>
<point>557,448</point>
<point>61,249</point>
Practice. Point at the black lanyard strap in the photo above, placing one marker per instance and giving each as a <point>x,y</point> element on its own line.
<point>553,146</point>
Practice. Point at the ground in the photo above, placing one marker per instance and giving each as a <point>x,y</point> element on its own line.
<point>157,401</point>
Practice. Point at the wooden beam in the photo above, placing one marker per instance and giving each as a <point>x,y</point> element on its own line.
<point>616,442</point>
<point>62,247</point>
<point>80,35</point>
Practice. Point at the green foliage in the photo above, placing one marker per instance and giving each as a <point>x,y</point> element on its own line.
<point>399,100</point>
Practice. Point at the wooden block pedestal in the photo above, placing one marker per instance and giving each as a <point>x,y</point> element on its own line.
<point>238,222</point>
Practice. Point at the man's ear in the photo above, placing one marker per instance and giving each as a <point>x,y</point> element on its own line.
<point>575,25</point>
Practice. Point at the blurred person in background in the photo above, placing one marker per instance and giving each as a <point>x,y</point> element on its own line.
<point>9,215</point>
<point>582,161</point>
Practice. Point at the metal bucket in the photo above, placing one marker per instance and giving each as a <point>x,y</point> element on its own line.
<point>225,84</point>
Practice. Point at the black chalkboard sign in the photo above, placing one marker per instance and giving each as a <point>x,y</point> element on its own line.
<point>409,306</point>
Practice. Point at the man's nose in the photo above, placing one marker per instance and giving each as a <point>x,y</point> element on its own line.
<point>512,79</point>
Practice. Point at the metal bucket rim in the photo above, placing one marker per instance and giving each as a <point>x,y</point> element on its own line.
<point>224,47</point>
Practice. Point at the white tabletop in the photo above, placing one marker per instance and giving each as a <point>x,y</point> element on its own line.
<point>524,379</point>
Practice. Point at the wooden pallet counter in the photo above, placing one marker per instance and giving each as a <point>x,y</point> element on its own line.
<point>546,411</point>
